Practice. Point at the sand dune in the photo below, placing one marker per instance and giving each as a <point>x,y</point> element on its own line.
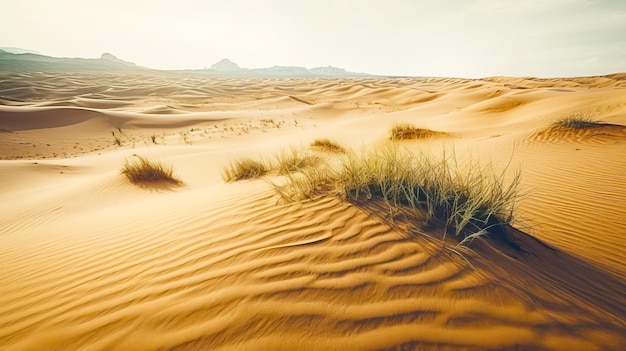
<point>601,134</point>
<point>90,261</point>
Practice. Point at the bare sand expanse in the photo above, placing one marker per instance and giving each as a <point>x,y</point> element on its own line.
<point>90,261</point>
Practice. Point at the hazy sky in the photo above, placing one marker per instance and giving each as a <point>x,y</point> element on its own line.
<point>459,38</point>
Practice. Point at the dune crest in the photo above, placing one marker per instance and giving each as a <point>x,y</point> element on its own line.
<point>600,133</point>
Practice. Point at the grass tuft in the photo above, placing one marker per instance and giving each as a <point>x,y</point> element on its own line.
<point>287,161</point>
<point>245,168</point>
<point>407,131</point>
<point>470,201</point>
<point>294,160</point>
<point>142,170</point>
<point>327,145</point>
<point>576,122</point>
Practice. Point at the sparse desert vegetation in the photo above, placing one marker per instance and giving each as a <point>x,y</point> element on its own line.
<point>245,168</point>
<point>407,131</point>
<point>293,160</point>
<point>579,128</point>
<point>472,200</point>
<point>328,145</point>
<point>286,161</point>
<point>576,122</point>
<point>469,200</point>
<point>142,170</point>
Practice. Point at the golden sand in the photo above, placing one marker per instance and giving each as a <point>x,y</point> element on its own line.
<point>89,261</point>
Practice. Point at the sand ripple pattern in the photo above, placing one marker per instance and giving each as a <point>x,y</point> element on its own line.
<point>91,262</point>
<point>254,275</point>
<point>599,135</point>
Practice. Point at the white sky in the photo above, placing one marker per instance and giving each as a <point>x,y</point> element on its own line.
<point>455,38</point>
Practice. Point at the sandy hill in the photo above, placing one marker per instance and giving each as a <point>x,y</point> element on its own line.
<point>91,261</point>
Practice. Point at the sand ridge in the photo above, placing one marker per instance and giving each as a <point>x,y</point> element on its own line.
<point>93,262</point>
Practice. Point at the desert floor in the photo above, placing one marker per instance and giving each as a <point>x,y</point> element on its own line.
<point>90,261</point>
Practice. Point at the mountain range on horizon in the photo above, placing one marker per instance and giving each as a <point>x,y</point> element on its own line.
<point>226,66</point>
<point>24,60</point>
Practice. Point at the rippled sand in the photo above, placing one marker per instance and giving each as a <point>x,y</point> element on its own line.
<point>90,261</point>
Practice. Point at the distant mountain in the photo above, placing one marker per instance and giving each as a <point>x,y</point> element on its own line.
<point>328,71</point>
<point>111,58</point>
<point>19,50</point>
<point>228,68</point>
<point>287,71</point>
<point>24,62</point>
<point>225,65</point>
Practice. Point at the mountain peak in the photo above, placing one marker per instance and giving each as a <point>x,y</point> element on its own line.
<point>225,65</point>
<point>107,56</point>
<point>110,57</point>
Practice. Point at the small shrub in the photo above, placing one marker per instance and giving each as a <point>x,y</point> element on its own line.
<point>118,141</point>
<point>245,168</point>
<point>406,131</point>
<point>575,122</point>
<point>327,145</point>
<point>142,170</point>
<point>153,137</point>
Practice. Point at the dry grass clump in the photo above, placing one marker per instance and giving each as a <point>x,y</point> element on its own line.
<point>287,161</point>
<point>470,201</point>
<point>305,184</point>
<point>407,131</point>
<point>245,168</point>
<point>576,122</point>
<point>142,170</point>
<point>327,145</point>
<point>294,160</point>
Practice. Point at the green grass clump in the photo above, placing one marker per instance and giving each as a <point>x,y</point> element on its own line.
<point>576,122</point>
<point>470,201</point>
<point>142,170</point>
<point>327,145</point>
<point>406,131</point>
<point>245,168</point>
